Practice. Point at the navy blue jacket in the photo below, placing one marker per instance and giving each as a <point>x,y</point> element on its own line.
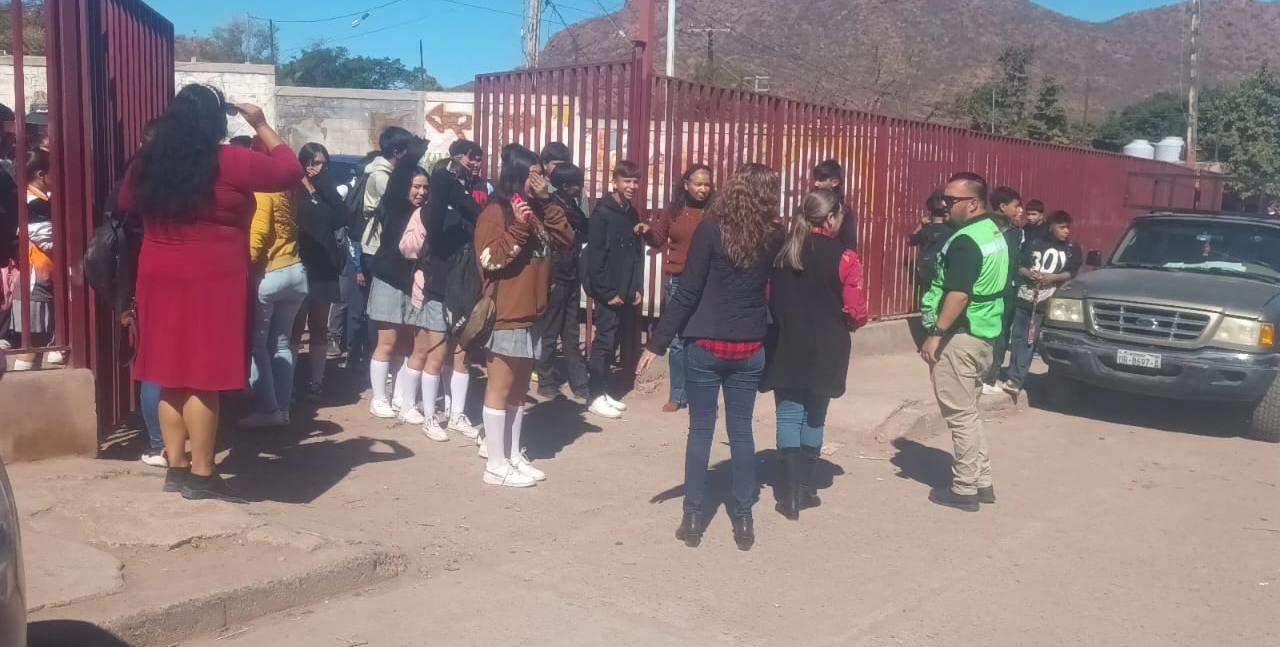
<point>716,300</point>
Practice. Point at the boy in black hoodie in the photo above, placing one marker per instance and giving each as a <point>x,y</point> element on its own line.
<point>1045,264</point>
<point>615,267</point>
<point>561,318</point>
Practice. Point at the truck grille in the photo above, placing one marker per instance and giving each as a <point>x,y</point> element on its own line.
<point>1149,323</point>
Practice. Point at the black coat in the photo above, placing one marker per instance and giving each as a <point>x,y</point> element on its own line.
<point>321,216</point>
<point>450,220</point>
<point>615,254</point>
<point>715,300</point>
<point>565,260</point>
<point>809,347</point>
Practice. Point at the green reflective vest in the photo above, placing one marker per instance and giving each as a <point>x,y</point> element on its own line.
<point>985,311</point>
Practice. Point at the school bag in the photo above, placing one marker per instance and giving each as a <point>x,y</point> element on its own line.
<point>111,260</point>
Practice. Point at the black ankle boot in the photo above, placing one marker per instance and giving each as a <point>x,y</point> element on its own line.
<point>809,484</point>
<point>209,487</point>
<point>690,530</point>
<point>744,532</point>
<point>175,478</point>
<point>789,488</point>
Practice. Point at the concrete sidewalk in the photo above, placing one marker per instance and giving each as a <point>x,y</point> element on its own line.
<point>105,545</point>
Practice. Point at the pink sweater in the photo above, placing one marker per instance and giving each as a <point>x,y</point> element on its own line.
<point>411,245</point>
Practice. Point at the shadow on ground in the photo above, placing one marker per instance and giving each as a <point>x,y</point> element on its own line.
<point>70,633</point>
<point>769,474</point>
<point>921,463</point>
<point>1211,419</point>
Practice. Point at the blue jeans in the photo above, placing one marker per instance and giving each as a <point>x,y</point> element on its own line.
<point>707,375</point>
<point>280,296</point>
<point>802,417</point>
<point>149,401</point>
<point>1020,347</point>
<point>675,353</point>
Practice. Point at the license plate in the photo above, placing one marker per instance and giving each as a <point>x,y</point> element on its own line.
<point>1141,360</point>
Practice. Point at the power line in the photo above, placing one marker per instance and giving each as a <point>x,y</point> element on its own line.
<point>345,15</point>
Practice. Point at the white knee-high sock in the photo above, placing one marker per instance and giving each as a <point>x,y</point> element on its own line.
<point>495,421</point>
<point>459,382</point>
<point>430,389</point>
<point>515,418</point>
<point>378,378</point>
<point>407,387</point>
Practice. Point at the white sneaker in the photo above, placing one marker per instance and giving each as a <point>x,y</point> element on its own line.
<point>396,406</point>
<point>381,409</point>
<point>483,448</point>
<point>411,416</point>
<point>460,423</point>
<point>602,408</point>
<point>992,389</point>
<point>55,357</point>
<point>154,458</point>
<point>264,420</point>
<point>616,404</point>
<point>435,431</point>
<point>521,463</point>
<point>5,345</point>
<point>507,475</point>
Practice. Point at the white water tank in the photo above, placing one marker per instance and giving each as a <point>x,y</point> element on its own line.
<point>1169,149</point>
<point>1140,148</point>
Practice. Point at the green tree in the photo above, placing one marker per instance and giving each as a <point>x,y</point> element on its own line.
<point>335,67</point>
<point>1000,106</point>
<point>1048,120</point>
<point>1154,118</point>
<point>1246,122</point>
<point>239,41</point>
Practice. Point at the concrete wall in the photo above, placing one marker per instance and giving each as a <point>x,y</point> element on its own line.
<point>47,413</point>
<point>346,121</point>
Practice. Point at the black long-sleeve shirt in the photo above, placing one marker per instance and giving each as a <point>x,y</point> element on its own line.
<point>450,222</point>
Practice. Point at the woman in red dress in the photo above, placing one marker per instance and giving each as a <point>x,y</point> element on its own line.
<point>195,196</point>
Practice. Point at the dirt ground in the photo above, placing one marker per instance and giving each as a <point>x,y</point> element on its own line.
<point>1129,522</point>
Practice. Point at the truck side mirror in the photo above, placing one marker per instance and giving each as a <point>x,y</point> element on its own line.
<point>1094,258</point>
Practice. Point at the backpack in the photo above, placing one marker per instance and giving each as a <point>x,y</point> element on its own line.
<point>111,259</point>
<point>927,265</point>
<point>462,290</point>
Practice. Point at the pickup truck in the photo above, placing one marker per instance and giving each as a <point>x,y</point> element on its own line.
<point>1186,307</point>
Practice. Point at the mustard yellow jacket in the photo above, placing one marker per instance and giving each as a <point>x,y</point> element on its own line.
<point>273,236</point>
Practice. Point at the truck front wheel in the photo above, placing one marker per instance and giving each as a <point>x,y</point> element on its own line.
<point>1264,422</point>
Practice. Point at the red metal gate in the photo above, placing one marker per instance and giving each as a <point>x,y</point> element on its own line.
<point>110,70</point>
<point>891,164</point>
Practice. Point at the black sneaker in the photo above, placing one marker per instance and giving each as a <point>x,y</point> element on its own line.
<point>744,533</point>
<point>209,487</point>
<point>175,478</point>
<point>944,496</point>
<point>987,494</point>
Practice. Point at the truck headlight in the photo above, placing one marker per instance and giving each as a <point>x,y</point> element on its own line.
<point>1235,331</point>
<point>1066,311</point>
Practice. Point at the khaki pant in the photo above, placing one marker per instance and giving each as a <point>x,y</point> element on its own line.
<point>957,383</point>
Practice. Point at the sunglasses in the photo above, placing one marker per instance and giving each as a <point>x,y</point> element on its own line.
<point>951,200</point>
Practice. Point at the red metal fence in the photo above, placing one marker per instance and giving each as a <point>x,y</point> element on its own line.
<point>110,70</point>
<point>891,164</point>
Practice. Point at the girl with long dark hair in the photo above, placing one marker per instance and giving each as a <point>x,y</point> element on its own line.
<point>514,237</point>
<point>672,232</point>
<point>390,305</point>
<point>195,196</point>
<point>321,214</point>
<point>816,296</point>
<point>722,310</point>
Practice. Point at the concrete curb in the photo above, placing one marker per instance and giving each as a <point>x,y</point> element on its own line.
<point>918,419</point>
<point>217,610</point>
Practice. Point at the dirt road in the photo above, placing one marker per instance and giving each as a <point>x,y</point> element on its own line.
<point>1105,533</point>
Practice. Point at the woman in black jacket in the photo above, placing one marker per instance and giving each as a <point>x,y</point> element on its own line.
<point>816,297</point>
<point>721,311</point>
<point>321,215</point>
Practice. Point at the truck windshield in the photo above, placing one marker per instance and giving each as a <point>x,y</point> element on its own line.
<point>1202,246</point>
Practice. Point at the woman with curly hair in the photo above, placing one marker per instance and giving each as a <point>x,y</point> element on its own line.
<point>721,310</point>
<point>195,196</point>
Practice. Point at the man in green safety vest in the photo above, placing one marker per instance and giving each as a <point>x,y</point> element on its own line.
<point>963,312</point>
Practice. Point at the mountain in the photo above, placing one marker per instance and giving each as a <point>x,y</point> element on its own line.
<point>911,57</point>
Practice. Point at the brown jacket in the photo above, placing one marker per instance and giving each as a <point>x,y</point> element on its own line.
<point>513,254</point>
<point>673,234</point>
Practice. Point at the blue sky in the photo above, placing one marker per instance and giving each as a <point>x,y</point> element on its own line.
<point>448,27</point>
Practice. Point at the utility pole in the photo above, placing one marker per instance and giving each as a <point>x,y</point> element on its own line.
<point>993,110</point>
<point>271,31</point>
<point>711,44</point>
<point>532,35</point>
<point>422,67</point>
<point>671,38</point>
<point>1193,98</point>
<point>1088,89</point>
